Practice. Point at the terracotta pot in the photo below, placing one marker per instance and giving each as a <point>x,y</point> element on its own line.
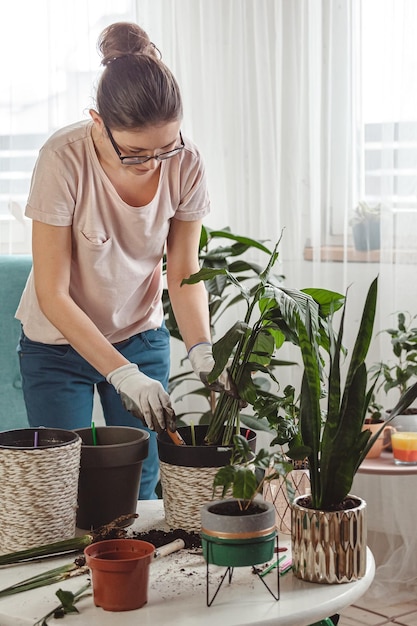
<point>329,546</point>
<point>187,474</point>
<point>110,473</point>
<point>235,540</point>
<point>120,573</point>
<point>382,443</point>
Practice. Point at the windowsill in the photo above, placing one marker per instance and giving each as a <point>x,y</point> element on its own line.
<point>340,254</point>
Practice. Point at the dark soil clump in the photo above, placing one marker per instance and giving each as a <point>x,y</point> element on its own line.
<point>231,507</point>
<point>161,537</point>
<point>348,503</point>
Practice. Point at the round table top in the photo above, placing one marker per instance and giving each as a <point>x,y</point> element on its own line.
<point>177,592</point>
<point>384,464</point>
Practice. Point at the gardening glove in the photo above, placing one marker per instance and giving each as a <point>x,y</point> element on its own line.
<point>144,397</point>
<point>202,362</point>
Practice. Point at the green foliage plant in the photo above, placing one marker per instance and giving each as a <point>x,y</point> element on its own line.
<point>399,375</point>
<point>225,253</point>
<point>273,315</point>
<point>245,476</point>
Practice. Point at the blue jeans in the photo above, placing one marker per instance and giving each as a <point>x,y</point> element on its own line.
<point>58,388</point>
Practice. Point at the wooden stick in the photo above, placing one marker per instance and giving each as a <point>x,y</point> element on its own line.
<point>169,548</point>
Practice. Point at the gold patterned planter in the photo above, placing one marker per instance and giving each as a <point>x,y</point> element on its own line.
<point>329,546</point>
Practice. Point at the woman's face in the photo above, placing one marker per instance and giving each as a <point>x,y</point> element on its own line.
<point>128,147</point>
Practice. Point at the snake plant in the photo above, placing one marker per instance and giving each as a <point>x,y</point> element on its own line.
<point>336,442</point>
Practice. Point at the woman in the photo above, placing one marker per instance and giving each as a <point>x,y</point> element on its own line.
<point>108,197</point>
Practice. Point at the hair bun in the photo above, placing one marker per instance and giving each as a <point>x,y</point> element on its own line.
<point>124,39</point>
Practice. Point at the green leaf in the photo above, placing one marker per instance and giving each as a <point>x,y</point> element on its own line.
<point>255,423</point>
<point>223,348</point>
<point>247,241</point>
<point>67,600</point>
<point>245,386</point>
<point>329,301</point>
<point>241,449</point>
<point>224,478</point>
<point>245,484</point>
<point>263,347</point>
<point>207,273</point>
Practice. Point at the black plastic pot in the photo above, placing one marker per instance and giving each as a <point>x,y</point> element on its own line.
<point>110,473</point>
<point>200,455</point>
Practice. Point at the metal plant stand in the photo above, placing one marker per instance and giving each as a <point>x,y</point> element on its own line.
<point>229,574</point>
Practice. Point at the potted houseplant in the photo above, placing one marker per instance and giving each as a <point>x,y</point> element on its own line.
<point>247,348</point>
<point>329,525</point>
<point>230,253</point>
<point>399,373</point>
<point>238,529</point>
<point>366,228</point>
<point>373,422</point>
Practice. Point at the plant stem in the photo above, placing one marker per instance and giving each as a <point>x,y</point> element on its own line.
<point>46,578</point>
<point>77,596</point>
<point>68,545</point>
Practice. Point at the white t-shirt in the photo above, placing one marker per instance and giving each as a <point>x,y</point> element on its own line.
<point>117,249</point>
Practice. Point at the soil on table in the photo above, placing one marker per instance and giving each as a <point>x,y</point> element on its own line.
<point>161,537</point>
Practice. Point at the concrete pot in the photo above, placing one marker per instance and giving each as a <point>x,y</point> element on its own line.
<point>237,540</point>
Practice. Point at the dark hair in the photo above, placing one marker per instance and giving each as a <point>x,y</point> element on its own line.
<point>136,88</point>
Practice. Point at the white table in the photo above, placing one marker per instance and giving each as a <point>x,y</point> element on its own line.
<point>177,593</point>
<point>389,491</point>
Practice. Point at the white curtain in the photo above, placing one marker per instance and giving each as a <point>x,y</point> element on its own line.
<point>284,98</point>
<point>301,108</point>
<point>259,91</point>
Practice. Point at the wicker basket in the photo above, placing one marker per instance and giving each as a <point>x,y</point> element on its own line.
<point>187,474</point>
<point>185,490</point>
<point>38,487</point>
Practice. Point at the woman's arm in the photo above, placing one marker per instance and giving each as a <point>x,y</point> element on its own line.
<point>189,302</point>
<point>51,249</point>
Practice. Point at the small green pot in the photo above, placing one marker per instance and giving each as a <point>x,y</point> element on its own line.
<point>237,540</point>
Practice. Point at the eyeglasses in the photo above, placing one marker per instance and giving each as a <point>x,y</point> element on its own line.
<point>138,160</point>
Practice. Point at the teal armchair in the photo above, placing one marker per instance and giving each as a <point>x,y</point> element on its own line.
<point>14,270</point>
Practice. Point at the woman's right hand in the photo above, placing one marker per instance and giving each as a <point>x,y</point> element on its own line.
<point>144,397</point>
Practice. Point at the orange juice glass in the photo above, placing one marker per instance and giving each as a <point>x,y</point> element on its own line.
<point>404,448</point>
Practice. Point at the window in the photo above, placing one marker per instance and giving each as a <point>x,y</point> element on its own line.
<point>389,116</point>
<point>47,84</point>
